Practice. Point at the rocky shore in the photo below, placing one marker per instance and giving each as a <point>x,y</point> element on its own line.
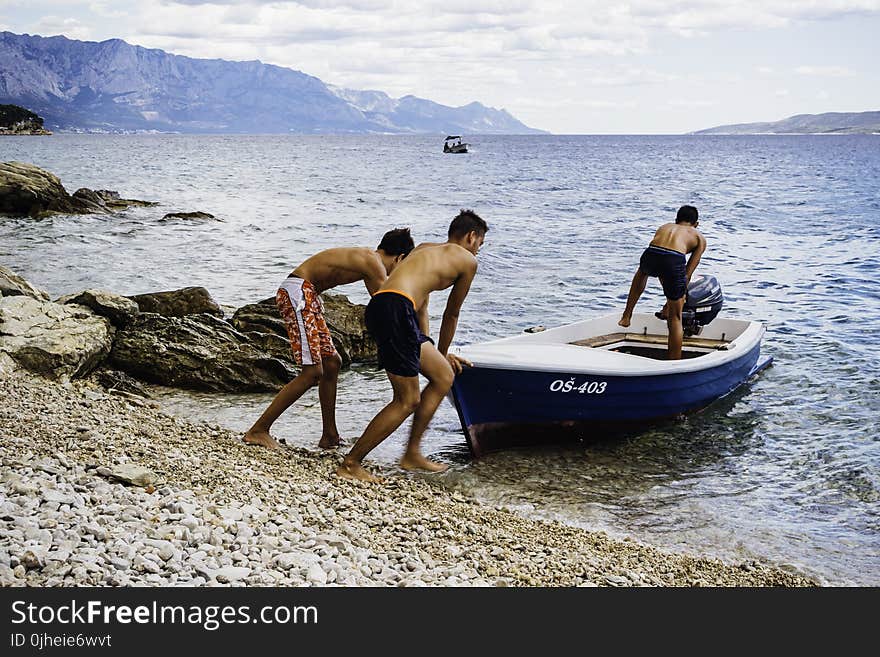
<point>206,509</point>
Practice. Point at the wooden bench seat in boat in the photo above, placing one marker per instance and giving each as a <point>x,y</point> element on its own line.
<point>641,338</point>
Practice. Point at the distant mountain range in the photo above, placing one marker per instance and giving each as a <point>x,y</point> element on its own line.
<point>113,86</point>
<point>840,123</point>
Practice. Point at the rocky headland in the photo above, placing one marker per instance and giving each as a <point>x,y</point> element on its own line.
<point>16,120</point>
<point>101,487</point>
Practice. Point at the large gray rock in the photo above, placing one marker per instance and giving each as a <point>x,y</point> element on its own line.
<point>344,319</point>
<point>104,201</point>
<point>178,303</point>
<point>346,322</point>
<point>28,190</point>
<point>118,309</point>
<point>11,285</point>
<point>189,215</point>
<point>200,351</point>
<point>55,340</point>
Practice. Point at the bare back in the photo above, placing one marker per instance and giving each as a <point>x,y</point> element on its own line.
<point>341,266</point>
<point>428,268</point>
<point>681,237</point>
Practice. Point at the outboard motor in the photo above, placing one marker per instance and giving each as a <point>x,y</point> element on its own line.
<point>702,304</point>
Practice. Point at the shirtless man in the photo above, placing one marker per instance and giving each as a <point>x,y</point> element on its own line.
<point>302,311</point>
<point>665,258</point>
<point>397,318</point>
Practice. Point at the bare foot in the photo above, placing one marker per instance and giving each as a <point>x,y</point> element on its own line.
<point>261,438</point>
<point>624,321</point>
<point>329,442</point>
<point>356,472</point>
<point>419,462</point>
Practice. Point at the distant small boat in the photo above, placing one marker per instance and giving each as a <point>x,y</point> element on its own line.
<point>453,144</point>
<point>574,380</point>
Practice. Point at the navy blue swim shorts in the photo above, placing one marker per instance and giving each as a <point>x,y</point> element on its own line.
<point>391,320</point>
<point>669,267</point>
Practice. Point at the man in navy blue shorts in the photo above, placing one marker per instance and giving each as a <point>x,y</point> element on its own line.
<point>665,259</point>
<point>397,318</point>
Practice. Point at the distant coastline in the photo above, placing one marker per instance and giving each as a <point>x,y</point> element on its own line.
<point>829,123</point>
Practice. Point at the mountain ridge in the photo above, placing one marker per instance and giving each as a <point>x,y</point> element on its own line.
<point>113,86</point>
<point>825,123</point>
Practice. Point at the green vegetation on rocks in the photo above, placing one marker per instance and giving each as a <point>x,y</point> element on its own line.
<point>20,121</point>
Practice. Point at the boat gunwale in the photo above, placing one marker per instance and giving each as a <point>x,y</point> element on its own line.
<point>568,358</point>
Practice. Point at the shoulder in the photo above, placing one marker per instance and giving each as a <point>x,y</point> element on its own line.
<point>366,258</point>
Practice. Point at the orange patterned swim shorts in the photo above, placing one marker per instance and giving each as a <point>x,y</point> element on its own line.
<point>300,306</point>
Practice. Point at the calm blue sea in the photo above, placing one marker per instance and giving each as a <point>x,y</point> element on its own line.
<point>785,471</point>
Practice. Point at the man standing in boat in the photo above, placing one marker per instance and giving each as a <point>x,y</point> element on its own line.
<point>397,318</point>
<point>665,258</point>
<point>301,308</point>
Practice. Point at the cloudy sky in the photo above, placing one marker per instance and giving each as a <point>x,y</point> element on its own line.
<point>583,67</point>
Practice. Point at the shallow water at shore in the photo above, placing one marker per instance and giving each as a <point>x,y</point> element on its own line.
<point>785,470</point>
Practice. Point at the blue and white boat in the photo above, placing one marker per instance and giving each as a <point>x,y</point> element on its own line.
<point>575,380</point>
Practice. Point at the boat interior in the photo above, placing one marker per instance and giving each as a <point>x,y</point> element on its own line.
<point>650,345</point>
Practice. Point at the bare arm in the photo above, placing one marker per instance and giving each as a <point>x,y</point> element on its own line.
<point>374,274</point>
<point>694,259</point>
<point>453,305</point>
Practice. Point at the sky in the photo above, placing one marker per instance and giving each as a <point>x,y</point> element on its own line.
<point>568,67</point>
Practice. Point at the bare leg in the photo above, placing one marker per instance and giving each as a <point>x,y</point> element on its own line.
<point>673,323</point>
<point>386,422</point>
<point>327,396</point>
<point>639,281</point>
<point>440,376</point>
<point>663,314</point>
<point>259,433</point>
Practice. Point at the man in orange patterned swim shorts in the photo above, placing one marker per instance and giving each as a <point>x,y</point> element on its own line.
<point>300,305</point>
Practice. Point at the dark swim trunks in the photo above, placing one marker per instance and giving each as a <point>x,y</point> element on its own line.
<point>669,267</point>
<point>391,320</point>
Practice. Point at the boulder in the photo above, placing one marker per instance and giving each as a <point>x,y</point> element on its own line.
<point>189,215</point>
<point>28,190</point>
<point>11,285</point>
<point>119,382</point>
<point>104,201</point>
<point>344,319</point>
<point>201,352</point>
<point>118,309</point>
<point>58,341</point>
<point>178,303</point>
<point>346,322</point>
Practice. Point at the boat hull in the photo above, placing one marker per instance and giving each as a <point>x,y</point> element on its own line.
<point>503,407</point>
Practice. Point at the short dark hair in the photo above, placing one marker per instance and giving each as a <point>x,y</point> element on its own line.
<point>397,242</point>
<point>466,221</point>
<point>687,213</point>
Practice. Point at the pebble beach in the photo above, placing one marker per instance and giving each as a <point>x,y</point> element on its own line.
<point>199,507</point>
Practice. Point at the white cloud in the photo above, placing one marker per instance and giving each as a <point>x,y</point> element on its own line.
<point>825,71</point>
<point>682,102</point>
<point>69,27</point>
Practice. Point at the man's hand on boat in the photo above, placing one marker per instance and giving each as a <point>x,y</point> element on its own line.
<point>458,363</point>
